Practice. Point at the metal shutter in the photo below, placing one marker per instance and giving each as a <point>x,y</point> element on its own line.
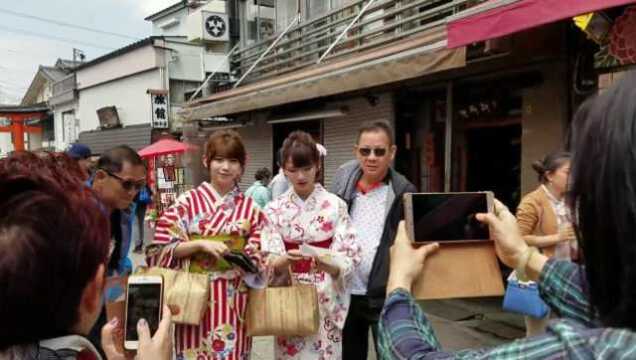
<point>258,143</point>
<point>340,133</point>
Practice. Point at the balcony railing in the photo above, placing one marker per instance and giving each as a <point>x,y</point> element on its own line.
<point>65,85</point>
<point>382,22</point>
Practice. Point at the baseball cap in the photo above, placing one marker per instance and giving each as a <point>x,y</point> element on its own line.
<point>79,151</point>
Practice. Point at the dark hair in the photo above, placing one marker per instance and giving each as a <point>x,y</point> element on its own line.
<point>373,126</point>
<point>300,148</point>
<point>603,199</point>
<point>550,163</point>
<point>113,159</point>
<point>262,174</point>
<point>53,238</point>
<point>225,143</point>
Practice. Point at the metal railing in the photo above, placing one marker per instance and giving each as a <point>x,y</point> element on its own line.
<point>65,85</point>
<point>343,32</point>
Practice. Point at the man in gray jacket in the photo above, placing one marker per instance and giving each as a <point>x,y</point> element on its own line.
<point>373,192</point>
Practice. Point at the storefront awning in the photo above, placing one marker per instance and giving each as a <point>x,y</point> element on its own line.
<point>498,18</point>
<point>403,60</point>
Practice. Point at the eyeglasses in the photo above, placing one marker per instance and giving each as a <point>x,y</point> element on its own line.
<point>127,184</point>
<point>379,152</point>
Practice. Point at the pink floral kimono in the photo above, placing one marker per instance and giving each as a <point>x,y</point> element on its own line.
<point>202,213</point>
<point>322,221</point>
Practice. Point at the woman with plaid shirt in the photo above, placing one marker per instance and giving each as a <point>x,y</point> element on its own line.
<point>595,302</point>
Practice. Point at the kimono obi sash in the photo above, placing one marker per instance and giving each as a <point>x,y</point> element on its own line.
<point>304,266</point>
<point>204,263</point>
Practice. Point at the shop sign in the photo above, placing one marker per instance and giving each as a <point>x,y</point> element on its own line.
<point>159,106</point>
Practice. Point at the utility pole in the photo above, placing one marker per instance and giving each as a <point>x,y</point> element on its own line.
<point>78,54</point>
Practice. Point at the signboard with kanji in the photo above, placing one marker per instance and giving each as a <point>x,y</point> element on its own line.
<point>159,106</point>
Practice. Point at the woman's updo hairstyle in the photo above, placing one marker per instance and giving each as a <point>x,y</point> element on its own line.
<point>300,148</point>
<point>550,163</point>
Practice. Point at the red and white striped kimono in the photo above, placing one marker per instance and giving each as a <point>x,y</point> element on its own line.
<point>202,213</point>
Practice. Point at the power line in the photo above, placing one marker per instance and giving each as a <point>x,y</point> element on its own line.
<point>61,23</point>
<point>51,37</point>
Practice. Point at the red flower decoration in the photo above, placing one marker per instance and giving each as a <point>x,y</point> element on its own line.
<point>218,345</point>
<point>291,350</point>
<point>327,226</point>
<point>622,38</point>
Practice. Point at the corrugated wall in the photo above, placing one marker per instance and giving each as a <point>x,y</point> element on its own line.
<point>135,136</point>
<point>340,133</point>
<point>258,143</point>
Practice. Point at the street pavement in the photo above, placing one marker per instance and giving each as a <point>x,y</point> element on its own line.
<point>458,323</point>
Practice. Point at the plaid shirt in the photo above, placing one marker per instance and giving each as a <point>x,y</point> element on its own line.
<point>406,333</point>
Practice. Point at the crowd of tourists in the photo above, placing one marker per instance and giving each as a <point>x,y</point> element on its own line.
<point>65,228</point>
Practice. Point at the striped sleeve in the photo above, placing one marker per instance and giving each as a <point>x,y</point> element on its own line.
<point>253,244</point>
<point>171,229</point>
<point>562,285</point>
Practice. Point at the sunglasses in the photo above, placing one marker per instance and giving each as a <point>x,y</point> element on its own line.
<point>127,184</point>
<point>379,152</point>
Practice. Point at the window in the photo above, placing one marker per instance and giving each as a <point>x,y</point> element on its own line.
<point>257,20</point>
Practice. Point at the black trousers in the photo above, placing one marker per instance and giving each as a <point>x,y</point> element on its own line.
<point>355,336</point>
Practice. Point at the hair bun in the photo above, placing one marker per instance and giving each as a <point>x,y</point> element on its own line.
<point>538,167</point>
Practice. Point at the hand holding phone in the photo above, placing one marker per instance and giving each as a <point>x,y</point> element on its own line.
<point>144,300</point>
<point>159,347</point>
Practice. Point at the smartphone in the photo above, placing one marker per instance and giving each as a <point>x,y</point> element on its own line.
<point>241,260</point>
<point>446,217</point>
<point>144,300</point>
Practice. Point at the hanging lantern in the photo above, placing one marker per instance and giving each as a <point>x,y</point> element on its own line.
<point>622,38</point>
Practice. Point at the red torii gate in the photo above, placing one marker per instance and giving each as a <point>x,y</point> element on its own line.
<point>18,115</point>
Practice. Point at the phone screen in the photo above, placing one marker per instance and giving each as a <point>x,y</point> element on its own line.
<point>144,301</point>
<point>449,217</point>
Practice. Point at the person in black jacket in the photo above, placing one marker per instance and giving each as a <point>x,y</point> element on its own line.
<point>373,192</point>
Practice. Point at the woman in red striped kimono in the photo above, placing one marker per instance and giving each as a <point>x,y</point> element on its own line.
<point>203,225</point>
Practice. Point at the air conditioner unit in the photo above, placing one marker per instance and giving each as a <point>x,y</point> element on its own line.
<point>208,26</point>
<point>108,117</point>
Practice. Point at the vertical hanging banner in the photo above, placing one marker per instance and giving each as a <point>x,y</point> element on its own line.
<point>159,108</point>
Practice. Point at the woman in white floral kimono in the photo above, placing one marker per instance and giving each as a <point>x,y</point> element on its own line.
<point>308,214</point>
<point>203,225</point>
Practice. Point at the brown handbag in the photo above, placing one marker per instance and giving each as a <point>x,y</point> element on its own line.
<point>283,311</point>
<point>186,290</point>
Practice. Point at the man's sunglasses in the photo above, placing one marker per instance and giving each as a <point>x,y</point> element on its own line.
<point>127,184</point>
<point>379,152</point>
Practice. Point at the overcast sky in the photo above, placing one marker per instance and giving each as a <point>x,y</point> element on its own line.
<point>26,43</point>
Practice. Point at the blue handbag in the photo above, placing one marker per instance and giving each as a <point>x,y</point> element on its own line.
<point>524,298</point>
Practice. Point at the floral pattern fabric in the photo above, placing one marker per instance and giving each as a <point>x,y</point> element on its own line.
<point>320,218</point>
<point>202,214</point>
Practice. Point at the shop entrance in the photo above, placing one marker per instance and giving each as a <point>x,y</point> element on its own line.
<point>487,142</point>
<point>492,161</point>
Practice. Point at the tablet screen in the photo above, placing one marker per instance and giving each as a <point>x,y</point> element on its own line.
<point>449,217</point>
